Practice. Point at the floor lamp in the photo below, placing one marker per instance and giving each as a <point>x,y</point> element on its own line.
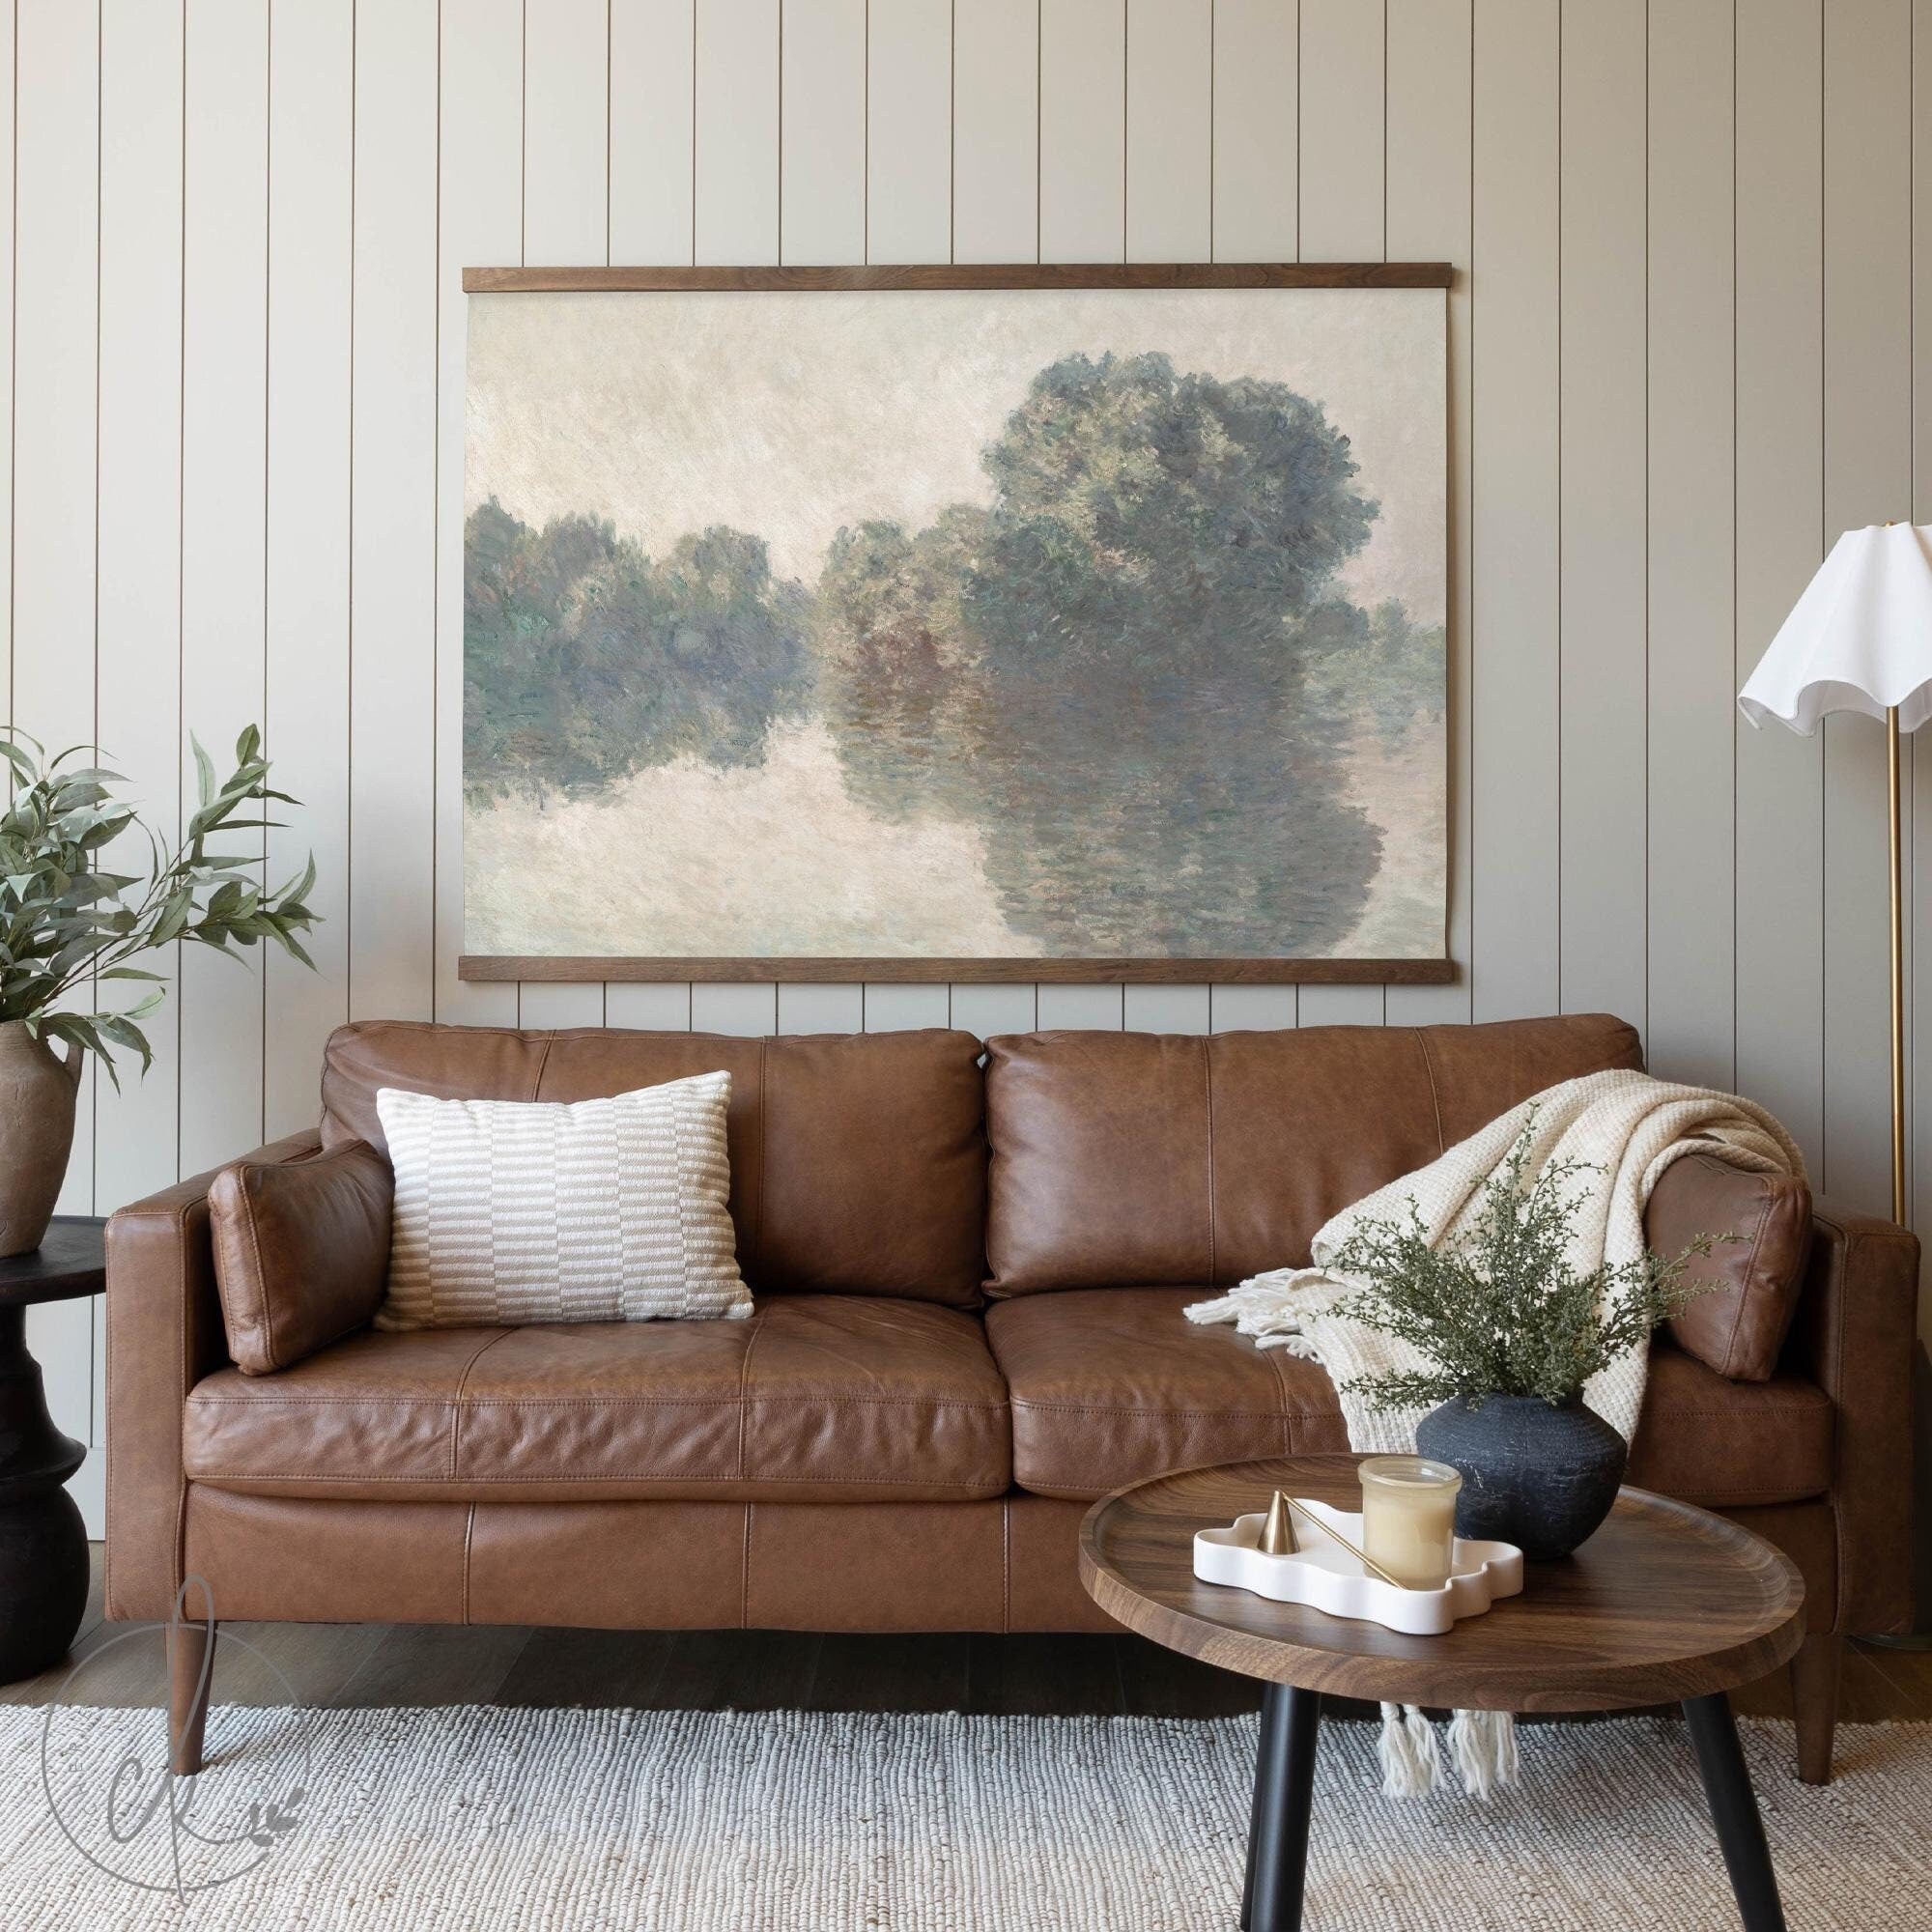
<point>1860,639</point>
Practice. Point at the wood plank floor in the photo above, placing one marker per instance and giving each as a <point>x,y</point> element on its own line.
<point>387,1665</point>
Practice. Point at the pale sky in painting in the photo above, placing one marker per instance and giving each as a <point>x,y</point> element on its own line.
<point>787,416</point>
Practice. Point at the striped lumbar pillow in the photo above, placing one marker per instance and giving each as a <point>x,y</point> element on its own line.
<point>510,1212</point>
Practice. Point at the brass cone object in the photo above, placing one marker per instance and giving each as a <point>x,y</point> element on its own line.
<point>1278,1537</point>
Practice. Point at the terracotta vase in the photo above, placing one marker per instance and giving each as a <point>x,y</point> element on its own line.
<point>37,1089</point>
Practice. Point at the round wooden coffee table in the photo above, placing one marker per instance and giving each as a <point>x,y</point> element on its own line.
<point>1664,1603</point>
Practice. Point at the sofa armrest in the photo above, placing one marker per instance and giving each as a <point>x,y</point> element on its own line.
<point>164,1334</point>
<point>1854,1335</point>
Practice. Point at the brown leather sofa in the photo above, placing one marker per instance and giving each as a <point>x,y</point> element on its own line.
<point>969,1284</point>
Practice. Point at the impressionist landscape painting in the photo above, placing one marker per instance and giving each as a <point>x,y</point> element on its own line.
<point>956,625</point>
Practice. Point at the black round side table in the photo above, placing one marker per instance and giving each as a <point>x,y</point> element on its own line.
<point>42,1540</point>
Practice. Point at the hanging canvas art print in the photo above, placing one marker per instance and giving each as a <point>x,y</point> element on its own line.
<point>1033,624</point>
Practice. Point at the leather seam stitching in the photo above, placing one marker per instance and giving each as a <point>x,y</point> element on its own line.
<point>1231,1414</point>
<point>456,1403</point>
<point>469,1531</point>
<point>266,1312</point>
<point>745,1573</point>
<point>1207,1088</point>
<point>543,1062</point>
<point>200,1401</point>
<point>1435,1097</point>
<point>765,1107</point>
<point>744,1377</point>
<point>574,1477</point>
<point>1005,1563</point>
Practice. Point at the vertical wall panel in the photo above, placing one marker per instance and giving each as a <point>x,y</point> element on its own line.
<point>1254,219</point>
<point>734,1008</point>
<point>736,199</point>
<point>1341,130</point>
<point>990,1009</point>
<point>311,118</point>
<point>566,221</point>
<point>1428,137</point>
<point>1692,451</point>
<point>1781,515</point>
<point>1082,85</point>
<point>480,221</point>
<point>1517,616</point>
<point>1170,130</point>
<point>824,149</point>
<point>735,94</point>
<point>392,526</point>
<point>1342,219</point>
<point>823,129</point>
<point>1605,672</point>
<point>138,567</point>
<point>651,46</point>
<point>566,153</point>
<point>996,218</point>
<point>995,131</point>
<point>54,671</point>
<point>909,138</point>
<point>139,562</point>
<point>1101,1007</point>
<point>224,529</point>
<point>1082,55</point>
<point>889,1007</point>
<point>651,83</point>
<point>821,1005</point>
<point>1867,480</point>
<point>1255,137</point>
<point>1170,219</point>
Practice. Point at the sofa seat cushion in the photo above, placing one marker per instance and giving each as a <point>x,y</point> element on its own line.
<point>1110,1387</point>
<point>817,1397</point>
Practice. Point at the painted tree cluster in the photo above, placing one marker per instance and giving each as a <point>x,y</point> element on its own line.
<point>1132,668</point>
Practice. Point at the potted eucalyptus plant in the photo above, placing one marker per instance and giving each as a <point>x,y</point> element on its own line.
<point>1510,1333</point>
<point>67,924</point>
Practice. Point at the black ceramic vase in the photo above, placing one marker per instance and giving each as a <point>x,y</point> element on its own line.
<point>1536,1474</point>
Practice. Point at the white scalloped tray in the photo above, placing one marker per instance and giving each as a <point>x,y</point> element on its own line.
<point>1324,1574</point>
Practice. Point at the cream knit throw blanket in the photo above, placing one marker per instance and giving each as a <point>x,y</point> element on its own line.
<point>1629,1128</point>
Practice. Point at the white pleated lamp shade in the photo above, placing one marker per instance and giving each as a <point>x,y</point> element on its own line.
<point>1859,639</point>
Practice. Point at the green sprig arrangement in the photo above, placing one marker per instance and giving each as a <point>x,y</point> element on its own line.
<point>1497,1309</point>
<point>65,921</point>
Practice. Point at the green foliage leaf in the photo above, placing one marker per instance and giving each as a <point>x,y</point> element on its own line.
<point>1498,1310</point>
<point>65,920</point>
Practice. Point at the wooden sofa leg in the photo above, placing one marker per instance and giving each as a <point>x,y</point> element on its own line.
<point>1814,1699</point>
<point>189,1655</point>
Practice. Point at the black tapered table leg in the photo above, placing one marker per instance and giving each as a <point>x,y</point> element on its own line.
<point>1714,1735</point>
<point>1284,1788</point>
<point>1274,1720</point>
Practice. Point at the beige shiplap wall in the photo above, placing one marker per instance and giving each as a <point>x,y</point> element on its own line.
<point>1693,298</point>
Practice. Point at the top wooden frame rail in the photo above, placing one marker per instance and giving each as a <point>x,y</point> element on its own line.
<point>970,275</point>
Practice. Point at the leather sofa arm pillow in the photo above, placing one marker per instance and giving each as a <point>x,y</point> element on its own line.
<point>301,1252</point>
<point>1738,1327</point>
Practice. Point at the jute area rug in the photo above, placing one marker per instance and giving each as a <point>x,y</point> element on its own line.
<point>466,1819</point>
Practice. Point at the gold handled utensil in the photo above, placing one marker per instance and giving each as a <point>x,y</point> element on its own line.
<point>1367,1562</point>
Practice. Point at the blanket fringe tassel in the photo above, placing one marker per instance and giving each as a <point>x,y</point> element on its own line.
<point>1481,1743</point>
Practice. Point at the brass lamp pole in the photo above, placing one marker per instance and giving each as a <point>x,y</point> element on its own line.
<point>1898,968</point>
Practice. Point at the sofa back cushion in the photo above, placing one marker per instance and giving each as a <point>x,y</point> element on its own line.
<point>858,1161</point>
<point>1150,1159</point>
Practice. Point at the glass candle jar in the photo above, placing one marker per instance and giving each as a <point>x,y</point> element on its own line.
<point>1408,1518</point>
